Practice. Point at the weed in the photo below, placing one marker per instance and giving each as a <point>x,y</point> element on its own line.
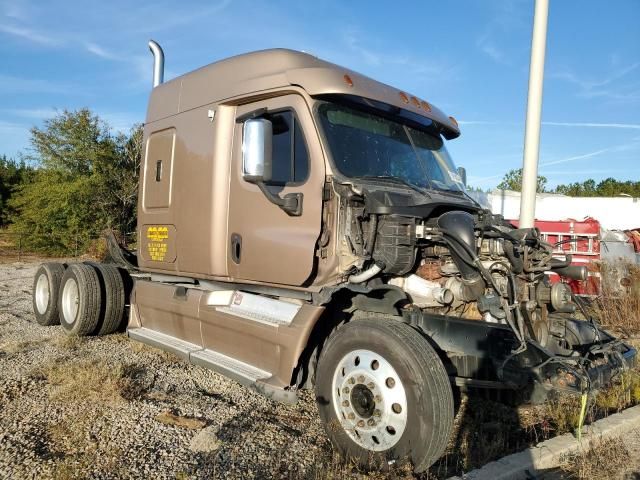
<point>602,461</point>
<point>618,307</point>
<point>68,342</point>
<point>77,381</point>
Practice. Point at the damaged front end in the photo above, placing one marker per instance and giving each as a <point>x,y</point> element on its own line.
<point>490,356</point>
<point>479,288</point>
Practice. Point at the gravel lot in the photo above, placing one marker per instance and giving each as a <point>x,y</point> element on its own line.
<point>89,407</point>
<point>109,407</point>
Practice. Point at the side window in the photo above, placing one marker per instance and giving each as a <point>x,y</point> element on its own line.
<point>290,158</point>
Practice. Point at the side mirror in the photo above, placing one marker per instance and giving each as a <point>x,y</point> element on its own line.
<point>256,164</point>
<point>462,172</point>
<point>256,150</point>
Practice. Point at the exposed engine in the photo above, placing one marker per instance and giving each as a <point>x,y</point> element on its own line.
<point>468,265</point>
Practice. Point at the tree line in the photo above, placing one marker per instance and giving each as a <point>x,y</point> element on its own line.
<point>78,179</point>
<point>609,187</point>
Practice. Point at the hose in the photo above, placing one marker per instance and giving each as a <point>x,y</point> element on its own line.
<point>371,238</point>
<point>583,412</point>
<point>365,275</point>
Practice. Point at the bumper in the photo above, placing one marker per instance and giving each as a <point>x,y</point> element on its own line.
<point>480,353</point>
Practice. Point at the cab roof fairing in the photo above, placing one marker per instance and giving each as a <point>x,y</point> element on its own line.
<point>278,68</point>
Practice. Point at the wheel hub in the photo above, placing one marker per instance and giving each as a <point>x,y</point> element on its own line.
<point>70,299</point>
<point>362,400</point>
<point>369,400</point>
<point>42,294</point>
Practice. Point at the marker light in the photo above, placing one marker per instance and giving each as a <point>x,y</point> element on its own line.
<point>415,101</point>
<point>426,106</point>
<point>347,80</point>
<point>454,121</point>
<point>404,97</point>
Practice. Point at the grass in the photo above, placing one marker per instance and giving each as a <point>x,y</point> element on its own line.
<point>618,307</point>
<point>84,380</point>
<point>19,346</point>
<point>604,460</point>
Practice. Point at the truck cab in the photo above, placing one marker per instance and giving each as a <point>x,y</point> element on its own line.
<point>301,225</point>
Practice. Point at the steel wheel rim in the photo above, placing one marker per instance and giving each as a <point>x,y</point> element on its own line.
<point>42,294</point>
<point>363,377</point>
<point>70,300</point>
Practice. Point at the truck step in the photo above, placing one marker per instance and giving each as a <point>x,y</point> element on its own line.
<point>241,372</point>
<point>230,367</point>
<point>164,342</point>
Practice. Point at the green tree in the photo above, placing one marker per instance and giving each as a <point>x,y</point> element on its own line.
<point>513,181</point>
<point>609,187</point>
<point>12,174</point>
<point>86,181</point>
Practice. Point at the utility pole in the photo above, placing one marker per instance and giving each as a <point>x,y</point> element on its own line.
<point>534,115</point>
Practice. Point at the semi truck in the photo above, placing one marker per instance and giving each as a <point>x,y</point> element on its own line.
<point>303,226</point>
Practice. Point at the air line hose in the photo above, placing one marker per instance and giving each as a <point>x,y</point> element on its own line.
<point>583,412</point>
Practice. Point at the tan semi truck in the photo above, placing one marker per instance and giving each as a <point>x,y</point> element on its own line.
<point>302,226</point>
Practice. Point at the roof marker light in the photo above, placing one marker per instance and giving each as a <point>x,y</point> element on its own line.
<point>404,97</point>
<point>347,80</point>
<point>426,106</point>
<point>415,101</point>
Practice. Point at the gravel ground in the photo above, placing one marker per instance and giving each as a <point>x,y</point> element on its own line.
<point>87,407</point>
<point>109,407</point>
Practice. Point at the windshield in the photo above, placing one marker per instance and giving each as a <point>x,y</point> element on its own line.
<point>366,145</point>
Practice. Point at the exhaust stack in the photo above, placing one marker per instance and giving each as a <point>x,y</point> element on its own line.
<point>158,63</point>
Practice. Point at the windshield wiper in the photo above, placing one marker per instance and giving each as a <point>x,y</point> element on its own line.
<point>398,180</point>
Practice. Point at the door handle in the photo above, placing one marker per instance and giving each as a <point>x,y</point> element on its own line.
<point>236,247</point>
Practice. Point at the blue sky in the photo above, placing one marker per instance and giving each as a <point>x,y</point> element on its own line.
<point>470,58</point>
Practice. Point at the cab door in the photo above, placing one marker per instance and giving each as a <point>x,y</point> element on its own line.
<point>267,243</point>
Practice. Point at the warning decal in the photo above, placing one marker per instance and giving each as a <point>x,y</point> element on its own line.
<point>157,247</point>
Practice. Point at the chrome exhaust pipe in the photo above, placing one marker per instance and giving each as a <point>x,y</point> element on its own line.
<point>158,63</point>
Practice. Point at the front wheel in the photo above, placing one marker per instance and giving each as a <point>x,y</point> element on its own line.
<point>384,395</point>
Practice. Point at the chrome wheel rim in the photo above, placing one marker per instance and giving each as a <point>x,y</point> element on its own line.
<point>369,400</point>
<point>70,299</point>
<point>42,294</point>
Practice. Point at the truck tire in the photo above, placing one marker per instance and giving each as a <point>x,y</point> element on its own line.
<point>79,300</point>
<point>46,285</point>
<point>112,296</point>
<point>384,395</point>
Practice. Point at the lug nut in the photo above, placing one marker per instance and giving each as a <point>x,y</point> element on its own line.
<point>352,380</point>
<point>360,423</point>
<point>345,403</point>
<point>371,422</point>
<point>371,385</point>
<point>378,398</point>
<point>352,416</point>
<point>361,379</point>
<point>377,413</point>
<point>345,390</point>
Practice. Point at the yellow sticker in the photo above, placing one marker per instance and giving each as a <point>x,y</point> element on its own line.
<point>157,247</point>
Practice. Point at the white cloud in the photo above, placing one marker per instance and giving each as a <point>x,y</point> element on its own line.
<point>100,51</point>
<point>31,35</point>
<point>602,87</point>
<point>573,158</point>
<point>633,126</point>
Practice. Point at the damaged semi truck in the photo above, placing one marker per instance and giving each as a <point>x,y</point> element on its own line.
<point>302,226</point>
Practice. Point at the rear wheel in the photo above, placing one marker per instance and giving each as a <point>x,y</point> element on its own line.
<point>113,298</point>
<point>384,395</point>
<point>79,300</point>
<point>46,285</point>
